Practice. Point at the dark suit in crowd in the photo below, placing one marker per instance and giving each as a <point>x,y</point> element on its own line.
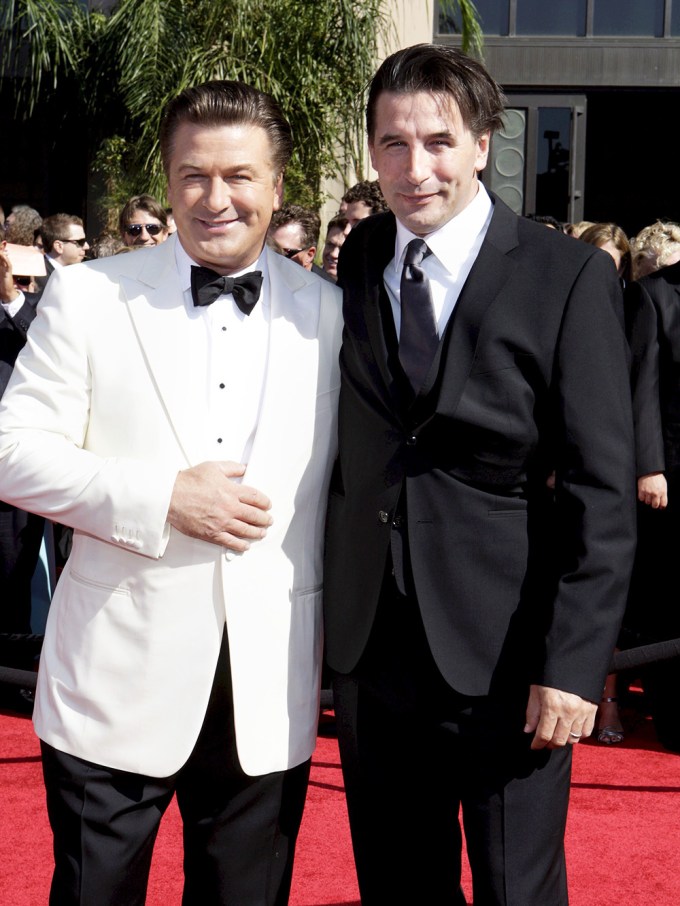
<point>20,532</point>
<point>653,323</point>
<point>458,586</point>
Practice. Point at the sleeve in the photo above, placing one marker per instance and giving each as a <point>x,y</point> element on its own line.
<point>642,332</point>
<point>45,467</point>
<point>595,484</point>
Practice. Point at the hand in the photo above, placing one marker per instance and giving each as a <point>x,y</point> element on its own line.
<point>8,291</point>
<point>206,504</point>
<point>653,490</point>
<point>557,718</point>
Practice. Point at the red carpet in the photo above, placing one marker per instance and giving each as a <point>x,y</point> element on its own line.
<point>623,841</point>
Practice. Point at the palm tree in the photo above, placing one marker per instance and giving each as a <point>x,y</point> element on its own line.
<point>122,66</point>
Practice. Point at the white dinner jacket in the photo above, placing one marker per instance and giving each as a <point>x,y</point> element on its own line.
<point>103,409</point>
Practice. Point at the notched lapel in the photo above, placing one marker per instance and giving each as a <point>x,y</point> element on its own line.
<point>489,274</point>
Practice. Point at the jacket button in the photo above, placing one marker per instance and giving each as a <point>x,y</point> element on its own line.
<point>383,516</point>
<point>397,522</point>
<point>411,441</point>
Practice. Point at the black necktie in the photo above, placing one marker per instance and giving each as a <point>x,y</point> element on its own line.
<point>206,286</point>
<point>418,339</point>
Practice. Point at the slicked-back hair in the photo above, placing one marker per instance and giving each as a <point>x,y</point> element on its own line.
<point>227,103</point>
<point>442,71</point>
<point>308,221</point>
<point>54,227</point>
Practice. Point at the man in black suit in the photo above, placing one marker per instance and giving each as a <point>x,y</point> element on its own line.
<point>470,611</point>
<point>652,306</point>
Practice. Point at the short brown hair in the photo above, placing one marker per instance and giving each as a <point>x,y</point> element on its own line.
<point>54,226</point>
<point>440,70</point>
<point>308,221</point>
<point>142,203</point>
<point>227,103</point>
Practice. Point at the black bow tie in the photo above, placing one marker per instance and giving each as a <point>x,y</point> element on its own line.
<point>206,286</point>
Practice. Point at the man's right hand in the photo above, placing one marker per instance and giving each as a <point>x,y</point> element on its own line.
<point>207,504</point>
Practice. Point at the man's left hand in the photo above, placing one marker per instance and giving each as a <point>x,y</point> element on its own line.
<point>558,718</point>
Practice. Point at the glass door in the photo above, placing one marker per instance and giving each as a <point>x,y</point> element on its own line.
<point>537,160</point>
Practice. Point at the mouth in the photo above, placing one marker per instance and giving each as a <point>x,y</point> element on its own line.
<point>217,226</point>
<point>419,199</point>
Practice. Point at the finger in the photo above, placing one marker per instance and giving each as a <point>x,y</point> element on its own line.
<point>253,498</point>
<point>245,530</point>
<point>231,542</point>
<point>232,469</point>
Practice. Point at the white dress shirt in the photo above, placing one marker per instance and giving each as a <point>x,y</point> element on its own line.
<point>235,364</point>
<point>454,248</point>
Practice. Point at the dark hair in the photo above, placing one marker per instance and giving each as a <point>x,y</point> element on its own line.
<point>226,103</point>
<point>142,203</point>
<point>546,220</point>
<point>54,226</point>
<point>369,192</point>
<point>308,221</point>
<point>440,70</point>
<point>339,222</point>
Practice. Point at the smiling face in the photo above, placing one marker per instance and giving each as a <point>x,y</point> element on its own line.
<point>223,191</point>
<point>426,158</point>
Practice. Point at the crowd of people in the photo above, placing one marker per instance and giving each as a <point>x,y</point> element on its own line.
<point>449,408</point>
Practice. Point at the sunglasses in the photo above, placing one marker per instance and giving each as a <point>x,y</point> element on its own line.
<point>135,229</point>
<point>290,253</point>
<point>79,242</point>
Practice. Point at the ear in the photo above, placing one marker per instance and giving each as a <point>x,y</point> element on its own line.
<point>371,153</point>
<point>483,142</point>
<point>309,255</point>
<point>278,192</point>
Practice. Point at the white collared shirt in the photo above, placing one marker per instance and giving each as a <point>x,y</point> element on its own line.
<point>454,248</point>
<point>236,362</point>
<point>14,307</point>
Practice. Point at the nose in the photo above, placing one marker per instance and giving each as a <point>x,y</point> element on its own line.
<point>418,165</point>
<point>218,195</point>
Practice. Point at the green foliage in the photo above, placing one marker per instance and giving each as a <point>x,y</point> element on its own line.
<point>463,18</point>
<point>316,58</point>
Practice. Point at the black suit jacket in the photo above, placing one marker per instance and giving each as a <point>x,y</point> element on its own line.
<point>652,308</point>
<point>531,375</point>
<point>13,335</point>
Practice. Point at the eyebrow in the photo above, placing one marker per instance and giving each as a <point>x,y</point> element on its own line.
<point>189,165</point>
<point>396,136</point>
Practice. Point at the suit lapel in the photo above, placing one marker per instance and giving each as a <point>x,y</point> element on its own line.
<point>175,366</point>
<point>290,386</point>
<point>490,272</point>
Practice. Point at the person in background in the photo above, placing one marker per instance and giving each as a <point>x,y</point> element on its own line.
<point>361,200</point>
<point>21,532</point>
<point>64,241</point>
<point>172,226</point>
<point>21,224</point>
<point>336,233</point>
<point>656,245</point>
<point>295,230</point>
<point>143,222</point>
<point>470,613</point>
<point>611,238</point>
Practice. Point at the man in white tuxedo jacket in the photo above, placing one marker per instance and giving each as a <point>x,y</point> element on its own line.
<point>186,432</point>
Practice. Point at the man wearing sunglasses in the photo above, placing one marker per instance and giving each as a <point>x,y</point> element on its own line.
<point>143,222</point>
<point>63,240</point>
